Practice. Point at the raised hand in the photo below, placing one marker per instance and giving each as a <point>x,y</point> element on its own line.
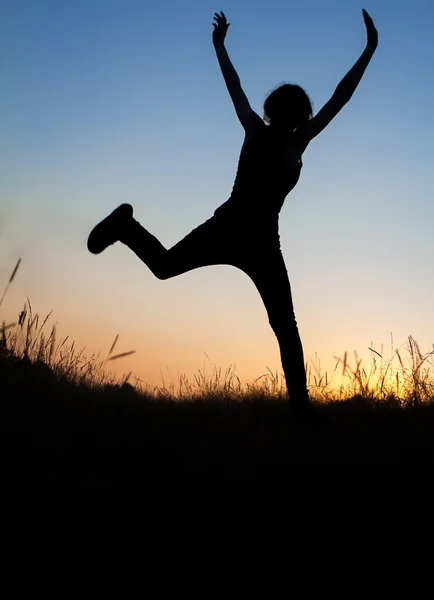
<point>370,30</point>
<point>221,27</point>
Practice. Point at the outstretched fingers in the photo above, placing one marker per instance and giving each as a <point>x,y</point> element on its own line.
<point>221,27</point>
<point>220,18</point>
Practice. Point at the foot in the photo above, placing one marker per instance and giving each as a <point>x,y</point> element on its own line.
<point>107,232</point>
<point>306,412</point>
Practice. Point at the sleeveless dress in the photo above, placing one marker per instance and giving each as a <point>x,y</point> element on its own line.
<point>268,169</point>
<point>244,230</point>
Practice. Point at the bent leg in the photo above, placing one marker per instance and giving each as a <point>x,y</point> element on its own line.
<point>200,248</point>
<point>268,273</point>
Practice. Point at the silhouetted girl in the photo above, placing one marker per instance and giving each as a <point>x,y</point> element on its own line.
<point>244,231</point>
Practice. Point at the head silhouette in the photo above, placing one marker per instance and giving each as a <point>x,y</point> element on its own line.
<point>287,107</point>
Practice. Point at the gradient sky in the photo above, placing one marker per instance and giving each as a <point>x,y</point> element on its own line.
<point>110,101</point>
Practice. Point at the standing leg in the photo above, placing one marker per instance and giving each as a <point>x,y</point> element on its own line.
<point>269,274</point>
<point>199,248</point>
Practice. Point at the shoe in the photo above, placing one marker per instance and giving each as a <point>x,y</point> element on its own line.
<point>307,413</point>
<point>107,231</point>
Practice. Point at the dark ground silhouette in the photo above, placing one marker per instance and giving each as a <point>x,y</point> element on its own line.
<point>61,438</point>
<point>244,231</point>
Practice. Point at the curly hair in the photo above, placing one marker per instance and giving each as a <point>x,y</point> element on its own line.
<point>288,100</point>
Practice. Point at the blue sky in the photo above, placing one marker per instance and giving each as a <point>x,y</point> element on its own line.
<point>111,101</point>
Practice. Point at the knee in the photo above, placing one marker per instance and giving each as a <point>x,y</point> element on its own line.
<point>283,326</point>
<point>161,273</point>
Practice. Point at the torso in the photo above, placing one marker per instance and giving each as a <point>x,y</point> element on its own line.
<point>268,169</point>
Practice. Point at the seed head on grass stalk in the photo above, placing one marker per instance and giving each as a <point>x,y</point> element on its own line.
<point>114,344</point>
<point>11,278</point>
<point>22,316</point>
<point>52,344</point>
<point>121,355</point>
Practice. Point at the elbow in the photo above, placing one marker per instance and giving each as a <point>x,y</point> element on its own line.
<point>342,96</point>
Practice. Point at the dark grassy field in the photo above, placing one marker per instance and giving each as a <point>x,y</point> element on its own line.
<point>66,428</point>
<point>65,438</point>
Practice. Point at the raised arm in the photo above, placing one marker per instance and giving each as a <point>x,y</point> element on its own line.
<point>346,87</point>
<point>247,116</point>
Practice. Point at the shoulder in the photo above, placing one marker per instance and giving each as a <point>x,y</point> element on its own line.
<point>255,134</point>
<point>254,125</point>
